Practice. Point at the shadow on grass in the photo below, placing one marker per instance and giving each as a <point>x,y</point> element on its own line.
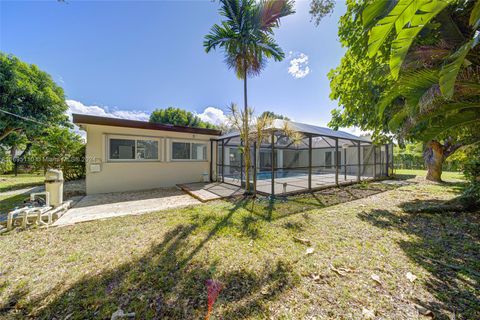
<point>269,210</point>
<point>405,176</point>
<point>447,245</point>
<point>8,203</point>
<point>167,282</point>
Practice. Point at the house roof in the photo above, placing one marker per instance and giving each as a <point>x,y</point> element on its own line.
<point>307,129</point>
<point>115,122</point>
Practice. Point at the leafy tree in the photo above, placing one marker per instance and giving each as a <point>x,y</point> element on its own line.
<point>435,96</point>
<point>179,117</point>
<point>246,37</point>
<point>397,80</point>
<point>59,148</point>
<point>320,9</point>
<point>359,79</point>
<point>6,164</point>
<point>274,115</point>
<point>29,99</point>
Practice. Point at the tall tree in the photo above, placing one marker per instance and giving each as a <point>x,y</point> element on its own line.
<point>246,37</point>
<point>179,117</point>
<point>415,86</point>
<point>29,99</point>
<point>60,148</point>
<point>434,59</point>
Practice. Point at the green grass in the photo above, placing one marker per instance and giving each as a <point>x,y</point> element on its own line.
<point>8,203</point>
<point>446,175</point>
<point>10,182</point>
<point>156,264</point>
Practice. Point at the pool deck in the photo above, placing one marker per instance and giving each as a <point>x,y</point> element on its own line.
<point>295,184</point>
<point>211,191</point>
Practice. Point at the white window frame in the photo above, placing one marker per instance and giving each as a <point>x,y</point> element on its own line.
<point>134,138</point>
<point>191,142</point>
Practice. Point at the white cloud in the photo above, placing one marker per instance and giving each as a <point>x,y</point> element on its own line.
<point>213,115</point>
<point>78,107</point>
<point>298,65</point>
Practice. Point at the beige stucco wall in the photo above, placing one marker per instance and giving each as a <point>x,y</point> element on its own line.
<point>138,175</point>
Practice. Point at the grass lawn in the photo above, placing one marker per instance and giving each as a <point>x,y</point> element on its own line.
<point>8,203</point>
<point>156,264</point>
<point>446,175</point>
<point>10,182</point>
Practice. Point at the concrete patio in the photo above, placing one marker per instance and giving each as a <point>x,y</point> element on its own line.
<point>109,205</point>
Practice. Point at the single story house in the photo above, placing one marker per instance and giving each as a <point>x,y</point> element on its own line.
<point>126,155</point>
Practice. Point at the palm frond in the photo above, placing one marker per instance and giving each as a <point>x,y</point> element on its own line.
<point>398,16</point>
<point>475,15</point>
<point>397,119</point>
<point>410,29</point>
<point>375,10</point>
<point>269,12</point>
<point>411,87</point>
<point>408,18</point>
<point>447,122</point>
<point>449,72</point>
<point>246,34</point>
<point>219,36</point>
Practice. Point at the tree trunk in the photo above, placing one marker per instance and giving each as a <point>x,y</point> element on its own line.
<point>246,129</point>
<point>434,158</point>
<point>5,133</point>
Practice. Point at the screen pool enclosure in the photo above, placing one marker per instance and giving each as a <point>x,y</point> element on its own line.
<point>322,158</point>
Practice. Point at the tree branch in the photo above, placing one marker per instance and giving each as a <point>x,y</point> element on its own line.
<point>449,149</point>
<point>5,133</point>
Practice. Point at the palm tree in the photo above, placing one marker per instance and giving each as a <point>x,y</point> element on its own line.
<point>246,37</point>
<point>261,131</point>
<point>436,95</point>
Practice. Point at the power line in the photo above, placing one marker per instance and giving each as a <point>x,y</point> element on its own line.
<point>24,118</point>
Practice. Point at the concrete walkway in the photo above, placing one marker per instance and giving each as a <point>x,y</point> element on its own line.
<point>108,205</point>
<point>22,191</point>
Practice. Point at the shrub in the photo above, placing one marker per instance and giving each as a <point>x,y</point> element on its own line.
<point>471,171</point>
<point>6,164</point>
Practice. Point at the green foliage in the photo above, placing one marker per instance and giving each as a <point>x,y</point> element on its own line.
<point>179,117</point>
<point>472,173</point>
<point>273,115</point>
<point>59,148</point>
<point>6,164</point>
<point>359,80</point>
<point>408,18</point>
<point>30,93</point>
<point>320,9</point>
<point>449,72</point>
<point>436,94</point>
<point>246,34</point>
<point>411,157</point>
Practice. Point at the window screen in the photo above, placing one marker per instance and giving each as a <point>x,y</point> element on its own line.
<point>199,151</point>
<point>147,149</point>
<point>189,151</point>
<point>133,149</point>
<point>122,149</point>
<point>181,151</point>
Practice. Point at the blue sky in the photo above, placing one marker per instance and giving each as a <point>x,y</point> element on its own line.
<point>126,58</point>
